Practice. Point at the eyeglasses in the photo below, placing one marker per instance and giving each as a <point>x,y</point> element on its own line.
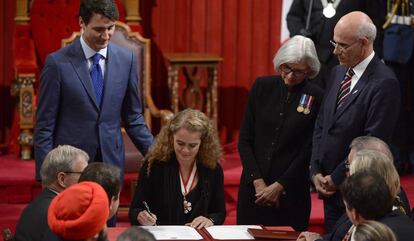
<point>296,73</point>
<point>342,47</point>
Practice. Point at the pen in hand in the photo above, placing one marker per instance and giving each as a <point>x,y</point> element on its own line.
<point>148,209</point>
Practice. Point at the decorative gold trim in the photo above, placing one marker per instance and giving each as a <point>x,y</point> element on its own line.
<point>22,13</point>
<point>132,11</point>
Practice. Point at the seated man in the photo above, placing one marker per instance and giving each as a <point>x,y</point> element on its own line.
<point>366,197</point>
<point>60,169</point>
<point>135,233</point>
<point>109,177</point>
<point>80,213</point>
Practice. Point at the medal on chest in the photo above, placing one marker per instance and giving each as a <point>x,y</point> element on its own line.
<point>186,186</point>
<point>305,104</point>
<point>329,7</point>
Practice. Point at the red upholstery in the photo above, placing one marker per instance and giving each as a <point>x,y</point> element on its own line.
<point>52,21</point>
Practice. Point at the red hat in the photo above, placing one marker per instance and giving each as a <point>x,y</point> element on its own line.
<point>79,212</point>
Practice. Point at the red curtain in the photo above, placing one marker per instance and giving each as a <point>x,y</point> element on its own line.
<point>7,103</point>
<point>245,33</point>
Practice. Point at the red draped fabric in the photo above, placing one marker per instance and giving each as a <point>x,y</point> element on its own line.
<point>244,32</point>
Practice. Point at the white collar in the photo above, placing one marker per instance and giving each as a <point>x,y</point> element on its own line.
<point>360,68</point>
<point>89,52</point>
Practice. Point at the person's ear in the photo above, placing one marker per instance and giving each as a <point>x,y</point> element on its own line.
<point>81,22</point>
<point>61,179</point>
<point>355,215</point>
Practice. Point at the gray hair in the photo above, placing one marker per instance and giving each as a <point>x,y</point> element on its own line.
<point>378,162</point>
<point>366,29</point>
<point>370,230</point>
<point>371,143</point>
<point>298,49</point>
<point>60,159</point>
<point>135,233</point>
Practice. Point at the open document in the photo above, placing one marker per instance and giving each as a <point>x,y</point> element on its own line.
<point>173,232</point>
<point>231,231</point>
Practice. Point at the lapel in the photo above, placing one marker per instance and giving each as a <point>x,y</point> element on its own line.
<point>362,82</point>
<point>79,62</point>
<point>109,80</point>
<point>333,94</point>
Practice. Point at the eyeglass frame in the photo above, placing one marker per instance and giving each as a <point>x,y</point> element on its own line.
<point>295,72</point>
<point>340,46</point>
<point>73,172</point>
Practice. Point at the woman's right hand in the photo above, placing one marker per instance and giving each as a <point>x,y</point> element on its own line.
<point>259,185</point>
<point>147,219</point>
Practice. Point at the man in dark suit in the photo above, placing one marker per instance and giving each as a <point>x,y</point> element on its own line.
<point>61,168</point>
<point>87,88</point>
<point>362,100</point>
<point>367,197</point>
<point>320,28</point>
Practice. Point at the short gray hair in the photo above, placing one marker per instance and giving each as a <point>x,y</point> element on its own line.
<point>298,49</point>
<point>371,143</point>
<point>60,159</point>
<point>366,29</point>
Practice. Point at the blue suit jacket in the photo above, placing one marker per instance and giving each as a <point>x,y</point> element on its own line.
<point>68,112</point>
<point>371,109</point>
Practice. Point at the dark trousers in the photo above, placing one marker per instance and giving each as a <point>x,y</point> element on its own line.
<point>333,208</point>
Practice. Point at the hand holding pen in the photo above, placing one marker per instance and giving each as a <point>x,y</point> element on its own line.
<point>146,217</point>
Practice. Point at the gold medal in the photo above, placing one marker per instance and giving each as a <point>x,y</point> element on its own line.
<point>300,109</point>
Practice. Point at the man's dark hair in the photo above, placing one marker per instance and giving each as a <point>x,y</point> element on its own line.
<point>135,233</point>
<point>106,8</point>
<point>106,175</point>
<point>367,192</point>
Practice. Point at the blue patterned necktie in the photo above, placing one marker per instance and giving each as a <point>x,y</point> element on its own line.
<point>96,76</point>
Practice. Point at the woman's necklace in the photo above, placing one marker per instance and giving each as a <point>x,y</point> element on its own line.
<point>329,7</point>
<point>187,185</point>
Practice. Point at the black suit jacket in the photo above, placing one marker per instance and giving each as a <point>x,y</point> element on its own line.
<point>399,223</point>
<point>32,224</point>
<point>371,109</point>
<point>162,191</point>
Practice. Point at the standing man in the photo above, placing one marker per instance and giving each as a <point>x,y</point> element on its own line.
<point>363,100</point>
<point>87,88</point>
<point>321,25</point>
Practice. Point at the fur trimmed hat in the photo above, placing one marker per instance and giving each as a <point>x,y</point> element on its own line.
<point>79,212</point>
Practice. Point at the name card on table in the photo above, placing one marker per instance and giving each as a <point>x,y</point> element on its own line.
<point>173,232</point>
<point>231,232</point>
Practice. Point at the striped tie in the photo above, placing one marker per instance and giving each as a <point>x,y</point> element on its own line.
<point>345,88</point>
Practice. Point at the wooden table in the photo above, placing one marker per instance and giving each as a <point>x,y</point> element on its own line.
<point>201,79</point>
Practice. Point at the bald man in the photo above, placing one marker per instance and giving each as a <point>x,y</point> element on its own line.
<point>363,99</point>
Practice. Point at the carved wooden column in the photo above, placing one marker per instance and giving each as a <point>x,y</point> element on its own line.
<point>199,90</point>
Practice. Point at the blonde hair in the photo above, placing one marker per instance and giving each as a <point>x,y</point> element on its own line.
<point>380,163</point>
<point>371,230</point>
<point>192,120</point>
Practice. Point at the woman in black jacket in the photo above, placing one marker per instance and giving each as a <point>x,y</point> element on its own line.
<point>276,138</point>
<point>181,181</point>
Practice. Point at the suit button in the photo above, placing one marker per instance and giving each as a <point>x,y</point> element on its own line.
<point>281,113</point>
<point>273,143</point>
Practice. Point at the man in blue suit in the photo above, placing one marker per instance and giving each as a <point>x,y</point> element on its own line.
<point>87,89</point>
<point>362,100</point>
